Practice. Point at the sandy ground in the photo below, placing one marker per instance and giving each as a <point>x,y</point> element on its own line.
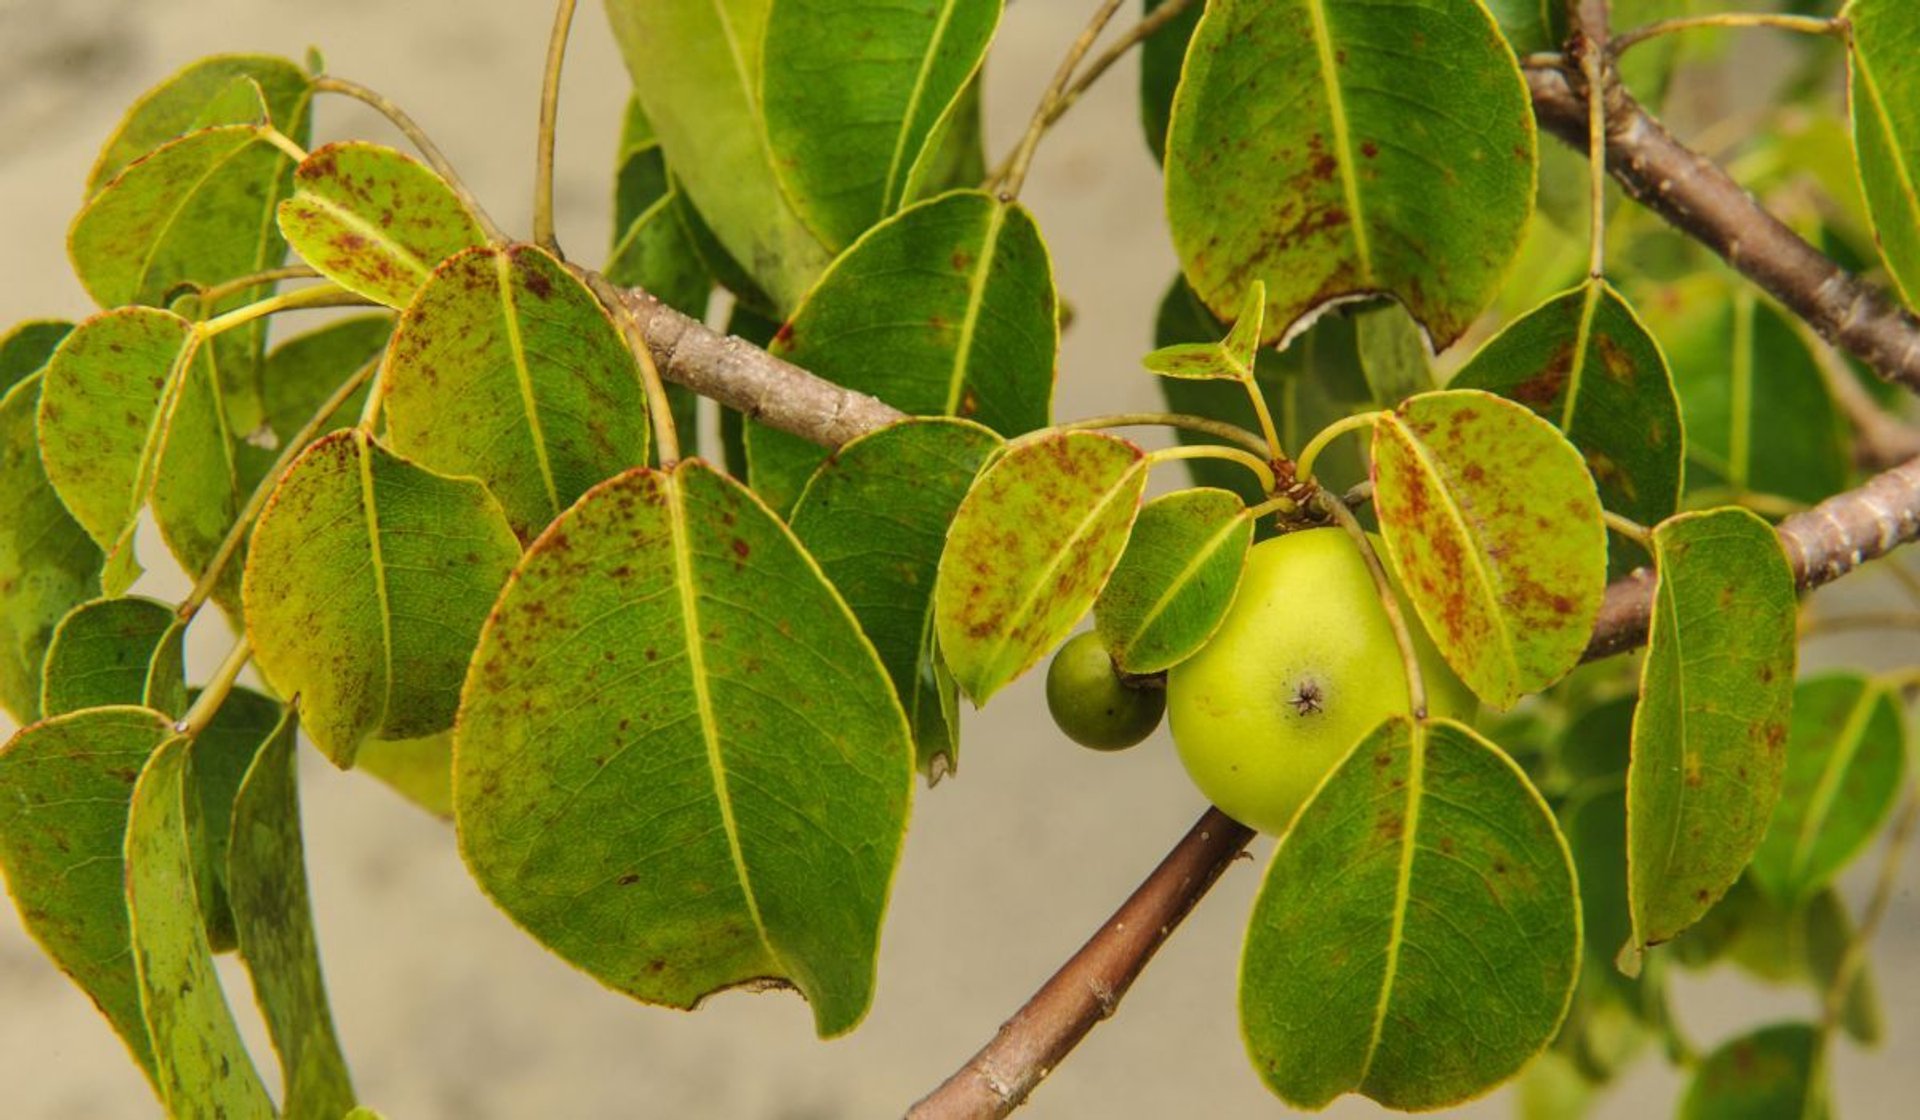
<point>445,1008</point>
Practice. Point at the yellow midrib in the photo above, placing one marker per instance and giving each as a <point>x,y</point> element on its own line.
<point>1342,140</point>
<point>1402,891</point>
<point>502,269</point>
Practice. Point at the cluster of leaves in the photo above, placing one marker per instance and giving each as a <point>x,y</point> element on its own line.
<point>676,709</point>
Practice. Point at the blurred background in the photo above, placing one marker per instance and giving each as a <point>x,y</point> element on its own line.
<point>445,1008</point>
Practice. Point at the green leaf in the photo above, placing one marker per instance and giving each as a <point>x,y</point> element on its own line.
<point>1393,354</point>
<point>1029,550</point>
<point>955,156</point>
<point>103,419</point>
<point>1493,523</point>
<point>182,103</point>
<point>1595,825</point>
<point>1584,361</point>
<point>946,309</point>
<point>1846,764</point>
<point>197,210</point>
<point>1774,1073</point>
<point>1709,736</point>
<point>875,517</point>
<point>1827,936</point>
<point>48,563</point>
<point>1531,25</point>
<point>656,252</point>
<point>506,367</point>
<point>1317,146</point>
<point>24,350</point>
<point>1176,580</point>
<point>221,754</point>
<point>304,371</point>
<point>366,588</point>
<point>201,1063</point>
<point>1161,58</point>
<point>198,488</point>
<point>420,770</point>
<point>678,762</point>
<point>853,92</point>
<point>373,220</point>
<point>115,651</point>
<point>1232,358</point>
<point>1759,417</point>
<point>696,68</point>
<point>267,877</point>
<point>1883,93</point>
<point>65,788</point>
<point>1417,934</point>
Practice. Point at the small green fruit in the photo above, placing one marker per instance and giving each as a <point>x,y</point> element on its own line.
<point>1302,667</point>
<point>1091,705</point>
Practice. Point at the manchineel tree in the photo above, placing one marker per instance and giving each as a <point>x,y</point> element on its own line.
<point>679,705</point>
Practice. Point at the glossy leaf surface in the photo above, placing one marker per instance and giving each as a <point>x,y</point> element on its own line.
<point>1417,936</point>
<point>201,1063</point>
<point>1176,580</point>
<point>48,562</point>
<point>65,789</point>
<point>946,309</point>
<point>366,588</point>
<point>1846,765</point>
<point>1493,523</point>
<point>696,68</point>
<point>875,517</point>
<point>853,92</point>
<point>373,220</point>
<point>1029,550</point>
<point>1710,733</point>
<point>507,368</point>
<point>1320,147</point>
<point>274,917</point>
<point>1584,362</point>
<point>672,777</point>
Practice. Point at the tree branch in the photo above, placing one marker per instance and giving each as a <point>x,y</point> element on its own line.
<point>1701,200</point>
<point>1088,987</point>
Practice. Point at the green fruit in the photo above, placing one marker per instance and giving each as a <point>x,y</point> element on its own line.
<point>1303,666</point>
<point>1092,705</point>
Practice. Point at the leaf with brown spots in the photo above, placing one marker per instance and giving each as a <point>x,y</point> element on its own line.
<point>1710,733</point>
<point>1494,525</point>
<point>109,397</point>
<point>373,220</point>
<point>1774,1072</point>
<point>1584,361</point>
<point>875,516</point>
<point>1846,766</point>
<point>366,587</point>
<point>201,1064</point>
<point>1339,150</point>
<point>506,367</point>
<point>1231,359</point>
<point>1176,580</point>
<point>945,309</point>
<point>66,785</point>
<point>679,764</point>
<point>1417,935</point>
<point>194,97</point>
<point>1029,550</point>
<point>48,563</point>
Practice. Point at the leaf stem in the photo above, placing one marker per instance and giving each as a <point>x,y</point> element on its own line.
<point>237,534</point>
<point>1389,602</point>
<point>1303,466</point>
<point>1015,175</point>
<point>217,690</point>
<point>1628,528</point>
<point>1268,484</point>
<point>1809,25</point>
<point>1232,433</point>
<point>1134,36</point>
<point>543,234</point>
<point>428,150</point>
<point>1280,504</point>
<point>283,142</point>
<point>217,292</point>
<point>320,295</point>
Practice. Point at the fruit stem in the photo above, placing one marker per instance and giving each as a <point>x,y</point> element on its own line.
<point>1220,429</point>
<point>1303,466</point>
<point>1390,602</point>
<point>1214,451</point>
